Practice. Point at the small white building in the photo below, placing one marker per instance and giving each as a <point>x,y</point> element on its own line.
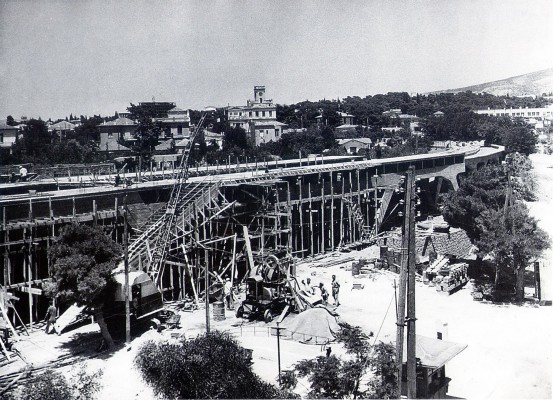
<point>354,145</point>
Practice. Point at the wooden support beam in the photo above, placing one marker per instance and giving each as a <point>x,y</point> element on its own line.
<point>311,232</point>
<point>350,227</point>
<point>342,213</point>
<point>300,209</point>
<point>289,218</point>
<point>248,247</point>
<point>322,228</point>
<point>331,211</point>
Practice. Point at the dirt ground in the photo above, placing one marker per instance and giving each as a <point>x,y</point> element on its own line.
<point>509,353</point>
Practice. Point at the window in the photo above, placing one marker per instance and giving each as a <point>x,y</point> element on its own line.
<point>250,113</point>
<point>257,113</point>
<point>179,129</point>
<point>110,135</point>
<point>1,138</point>
<point>263,113</point>
<point>270,113</point>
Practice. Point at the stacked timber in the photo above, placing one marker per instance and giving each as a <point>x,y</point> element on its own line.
<point>451,278</point>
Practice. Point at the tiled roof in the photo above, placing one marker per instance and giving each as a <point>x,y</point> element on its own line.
<point>346,126</point>
<point>112,145</point>
<point>343,114</point>
<point>361,140</point>
<point>165,145</point>
<point>182,143</point>
<point>119,122</point>
<point>455,243</point>
<point>64,125</point>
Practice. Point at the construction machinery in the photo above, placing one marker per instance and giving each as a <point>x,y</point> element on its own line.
<point>271,290</point>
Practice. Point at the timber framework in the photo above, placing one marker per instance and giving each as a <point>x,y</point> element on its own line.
<point>225,223</point>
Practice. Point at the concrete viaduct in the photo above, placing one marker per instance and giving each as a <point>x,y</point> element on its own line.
<point>293,207</point>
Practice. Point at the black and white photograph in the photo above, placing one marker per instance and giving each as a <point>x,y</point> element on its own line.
<point>276,199</point>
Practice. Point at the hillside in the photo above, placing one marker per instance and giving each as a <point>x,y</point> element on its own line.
<point>534,83</point>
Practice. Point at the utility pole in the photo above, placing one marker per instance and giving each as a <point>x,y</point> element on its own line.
<point>126,260</point>
<point>206,297</point>
<point>407,289</point>
<point>411,332</point>
<point>278,328</point>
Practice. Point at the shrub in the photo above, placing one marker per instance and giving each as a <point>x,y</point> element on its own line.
<point>212,365</point>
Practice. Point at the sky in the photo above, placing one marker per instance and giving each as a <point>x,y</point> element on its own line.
<point>96,57</point>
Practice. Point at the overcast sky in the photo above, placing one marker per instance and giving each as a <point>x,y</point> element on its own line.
<point>91,57</point>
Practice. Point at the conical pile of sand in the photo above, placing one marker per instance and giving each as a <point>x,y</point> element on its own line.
<point>315,325</point>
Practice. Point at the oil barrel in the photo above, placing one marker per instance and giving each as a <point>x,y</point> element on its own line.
<point>219,311</point>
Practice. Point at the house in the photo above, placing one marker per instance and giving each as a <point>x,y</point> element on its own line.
<point>176,124</point>
<point>8,134</point>
<point>354,145</point>
<point>347,119</point>
<point>113,132</point>
<point>258,118</point>
<point>438,114</point>
<point>392,113</point>
<point>61,129</point>
<point>210,137</point>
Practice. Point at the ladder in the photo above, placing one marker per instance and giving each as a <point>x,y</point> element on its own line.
<point>159,234</point>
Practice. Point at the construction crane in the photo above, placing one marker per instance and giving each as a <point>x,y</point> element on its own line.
<point>162,241</point>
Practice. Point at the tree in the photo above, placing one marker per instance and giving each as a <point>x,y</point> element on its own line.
<point>519,138</point>
<point>384,383</point>
<point>83,259</point>
<point>52,385</point>
<point>36,139</point>
<point>478,191</point>
<point>496,222</point>
<point>332,377</point>
<point>211,366</point>
<point>512,238</point>
<point>147,132</point>
<point>10,121</point>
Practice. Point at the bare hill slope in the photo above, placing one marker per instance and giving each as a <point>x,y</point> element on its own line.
<point>534,83</point>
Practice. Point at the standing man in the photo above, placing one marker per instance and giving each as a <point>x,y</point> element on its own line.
<point>50,317</point>
<point>309,287</point>
<point>228,294</point>
<point>335,290</point>
<point>23,173</point>
<point>324,293</point>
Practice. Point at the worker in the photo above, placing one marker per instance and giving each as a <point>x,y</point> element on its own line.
<point>4,330</point>
<point>309,288</point>
<point>335,290</point>
<point>324,292</point>
<point>23,173</point>
<point>50,318</point>
<point>228,294</point>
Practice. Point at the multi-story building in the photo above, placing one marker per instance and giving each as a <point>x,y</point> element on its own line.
<point>541,113</point>
<point>176,124</point>
<point>8,134</point>
<point>258,118</point>
<point>113,132</point>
